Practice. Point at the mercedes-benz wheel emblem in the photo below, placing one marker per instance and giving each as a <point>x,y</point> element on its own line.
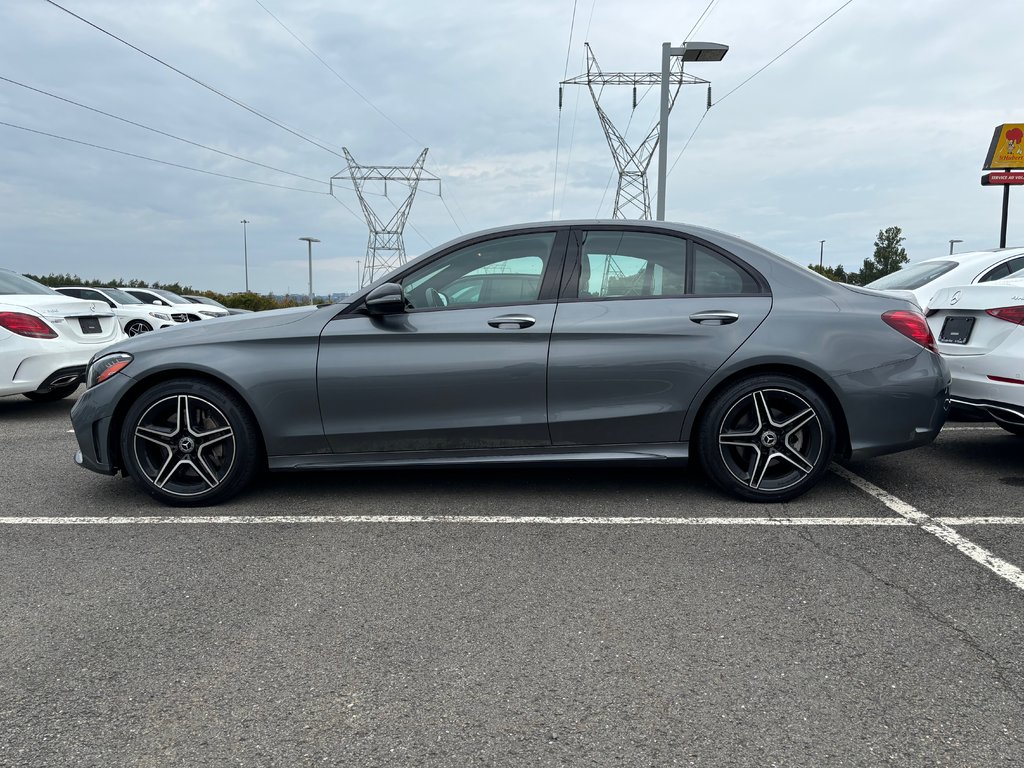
<point>769,439</point>
<point>186,445</point>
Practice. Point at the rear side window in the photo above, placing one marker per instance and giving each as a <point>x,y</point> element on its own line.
<point>622,264</point>
<point>1005,269</point>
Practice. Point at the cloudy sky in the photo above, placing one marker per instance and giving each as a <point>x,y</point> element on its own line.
<point>881,117</point>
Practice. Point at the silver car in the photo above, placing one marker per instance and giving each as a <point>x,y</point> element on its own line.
<point>637,341</point>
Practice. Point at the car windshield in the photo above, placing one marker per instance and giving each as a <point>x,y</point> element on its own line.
<point>171,297</point>
<point>913,276</point>
<point>13,284</point>
<point>121,297</point>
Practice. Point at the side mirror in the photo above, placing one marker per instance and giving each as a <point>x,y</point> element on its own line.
<point>387,299</point>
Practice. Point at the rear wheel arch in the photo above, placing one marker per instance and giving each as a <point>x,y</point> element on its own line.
<point>812,380</point>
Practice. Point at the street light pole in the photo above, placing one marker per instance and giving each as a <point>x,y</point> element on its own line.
<point>951,244</point>
<point>688,52</point>
<point>245,252</point>
<point>821,255</point>
<point>309,243</point>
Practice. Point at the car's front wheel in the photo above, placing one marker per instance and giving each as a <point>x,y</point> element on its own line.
<point>189,442</point>
<point>766,438</point>
<point>135,327</point>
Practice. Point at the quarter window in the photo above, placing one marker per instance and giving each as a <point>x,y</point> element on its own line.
<point>715,275</point>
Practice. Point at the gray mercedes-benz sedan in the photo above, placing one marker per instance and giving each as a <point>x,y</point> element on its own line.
<point>559,341</point>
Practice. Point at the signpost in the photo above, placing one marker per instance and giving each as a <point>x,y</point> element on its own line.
<point>1005,155</point>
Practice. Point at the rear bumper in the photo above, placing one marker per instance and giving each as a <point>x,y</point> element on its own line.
<point>897,406</point>
<point>1011,413</point>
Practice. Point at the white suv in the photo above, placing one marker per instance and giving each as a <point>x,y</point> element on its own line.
<point>133,313</point>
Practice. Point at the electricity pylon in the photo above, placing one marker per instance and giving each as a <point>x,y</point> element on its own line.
<point>385,249</point>
<point>632,196</point>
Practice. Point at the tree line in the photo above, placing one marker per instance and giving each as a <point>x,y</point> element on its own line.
<point>889,256</point>
<point>243,300</point>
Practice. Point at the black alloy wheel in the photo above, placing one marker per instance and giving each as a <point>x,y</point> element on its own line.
<point>767,438</point>
<point>135,327</point>
<point>189,442</point>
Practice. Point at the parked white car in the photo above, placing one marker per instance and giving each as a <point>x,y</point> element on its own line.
<point>47,339</point>
<point>176,303</point>
<point>978,330</point>
<point>924,278</point>
<point>133,313</point>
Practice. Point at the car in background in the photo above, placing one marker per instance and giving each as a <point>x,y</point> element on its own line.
<point>640,342</point>
<point>980,334</point>
<point>190,311</point>
<point>924,278</point>
<point>47,339</point>
<point>214,303</point>
<point>133,313</point>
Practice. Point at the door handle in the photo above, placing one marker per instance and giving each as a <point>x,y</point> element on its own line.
<point>508,322</point>
<point>714,317</point>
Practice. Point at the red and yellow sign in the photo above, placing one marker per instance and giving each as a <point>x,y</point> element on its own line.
<point>1007,148</point>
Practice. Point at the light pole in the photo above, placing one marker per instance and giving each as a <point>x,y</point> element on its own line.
<point>245,252</point>
<point>821,255</point>
<point>951,244</point>
<point>309,243</point>
<point>688,52</point>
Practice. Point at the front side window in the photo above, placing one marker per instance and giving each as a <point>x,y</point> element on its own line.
<point>507,270</point>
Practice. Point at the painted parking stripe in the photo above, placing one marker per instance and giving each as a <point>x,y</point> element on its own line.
<point>891,522</point>
<point>937,528</point>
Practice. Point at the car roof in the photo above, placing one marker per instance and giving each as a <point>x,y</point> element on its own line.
<point>970,258</point>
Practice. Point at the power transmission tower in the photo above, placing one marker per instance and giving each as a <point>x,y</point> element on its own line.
<point>385,250</point>
<point>632,196</point>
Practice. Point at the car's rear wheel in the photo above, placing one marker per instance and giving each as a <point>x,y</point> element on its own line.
<point>189,442</point>
<point>766,438</point>
<point>55,394</point>
<point>135,327</point>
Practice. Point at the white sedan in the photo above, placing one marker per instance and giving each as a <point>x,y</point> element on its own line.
<point>978,330</point>
<point>47,339</point>
<point>135,315</point>
<point>924,278</point>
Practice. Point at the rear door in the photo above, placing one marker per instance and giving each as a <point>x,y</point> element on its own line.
<point>645,319</point>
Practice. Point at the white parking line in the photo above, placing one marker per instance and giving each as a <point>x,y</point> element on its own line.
<point>938,528</point>
<point>972,429</point>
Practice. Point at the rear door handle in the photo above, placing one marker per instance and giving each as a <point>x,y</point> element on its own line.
<point>508,322</point>
<point>714,317</point>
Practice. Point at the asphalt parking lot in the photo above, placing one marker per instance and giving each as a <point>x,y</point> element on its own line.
<point>549,617</point>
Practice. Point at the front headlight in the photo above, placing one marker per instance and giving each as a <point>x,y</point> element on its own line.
<point>104,367</point>
<point>159,315</point>
<point>209,314</point>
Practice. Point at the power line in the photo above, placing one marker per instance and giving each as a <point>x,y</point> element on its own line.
<point>195,80</point>
<point>162,133</point>
<point>161,162</point>
<point>335,73</point>
<point>762,69</point>
<point>558,129</point>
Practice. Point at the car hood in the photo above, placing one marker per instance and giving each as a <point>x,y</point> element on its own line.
<point>56,306</point>
<point>230,327</point>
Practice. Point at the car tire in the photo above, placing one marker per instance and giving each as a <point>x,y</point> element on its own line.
<point>135,327</point>
<point>766,438</point>
<point>1014,429</point>
<point>189,442</point>
<point>55,394</point>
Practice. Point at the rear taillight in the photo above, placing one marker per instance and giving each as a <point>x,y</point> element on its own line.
<point>26,325</point>
<point>913,326</point>
<point>1009,314</point>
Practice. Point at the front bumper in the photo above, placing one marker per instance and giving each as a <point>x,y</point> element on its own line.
<point>95,428</point>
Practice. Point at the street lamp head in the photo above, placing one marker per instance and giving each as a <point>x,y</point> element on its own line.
<point>309,239</point>
<point>703,51</point>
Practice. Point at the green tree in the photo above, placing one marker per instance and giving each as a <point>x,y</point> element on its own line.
<point>889,256</point>
<point>836,273</point>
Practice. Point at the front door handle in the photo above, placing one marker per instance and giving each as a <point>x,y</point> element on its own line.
<point>508,322</point>
<point>714,317</point>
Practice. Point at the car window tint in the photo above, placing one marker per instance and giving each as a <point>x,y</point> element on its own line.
<point>507,270</point>
<point>13,284</point>
<point>913,276</point>
<point>624,264</point>
<point>714,274</point>
<point>1001,271</point>
<point>1016,265</point>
